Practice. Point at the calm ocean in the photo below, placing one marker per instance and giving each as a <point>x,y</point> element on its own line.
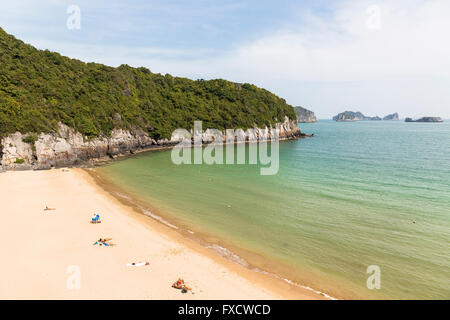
<point>357,194</point>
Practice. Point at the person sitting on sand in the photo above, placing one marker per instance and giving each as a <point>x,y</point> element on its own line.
<point>95,218</point>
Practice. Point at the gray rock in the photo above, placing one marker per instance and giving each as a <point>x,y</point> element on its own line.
<point>392,117</point>
<point>304,115</point>
<point>66,147</point>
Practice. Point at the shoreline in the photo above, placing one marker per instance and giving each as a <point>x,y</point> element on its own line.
<point>222,255</point>
<point>106,159</point>
<point>254,263</point>
<point>39,247</point>
<point>69,148</point>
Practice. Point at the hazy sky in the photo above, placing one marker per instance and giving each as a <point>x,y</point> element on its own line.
<point>376,57</point>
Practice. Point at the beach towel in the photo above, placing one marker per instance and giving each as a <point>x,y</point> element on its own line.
<point>139,264</point>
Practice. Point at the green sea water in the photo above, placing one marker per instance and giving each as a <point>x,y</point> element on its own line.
<point>357,194</point>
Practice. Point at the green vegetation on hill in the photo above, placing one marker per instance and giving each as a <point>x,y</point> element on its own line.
<point>40,88</point>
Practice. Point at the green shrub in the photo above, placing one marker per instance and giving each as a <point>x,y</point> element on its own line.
<point>31,139</point>
<point>19,161</point>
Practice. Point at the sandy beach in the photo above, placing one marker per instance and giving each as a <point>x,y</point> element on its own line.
<point>50,254</point>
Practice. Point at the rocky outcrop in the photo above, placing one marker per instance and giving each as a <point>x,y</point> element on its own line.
<point>67,147</point>
<point>305,115</point>
<point>358,116</point>
<point>392,117</point>
<point>350,116</point>
<point>425,119</point>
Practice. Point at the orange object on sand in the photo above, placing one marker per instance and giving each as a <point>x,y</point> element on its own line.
<point>179,284</point>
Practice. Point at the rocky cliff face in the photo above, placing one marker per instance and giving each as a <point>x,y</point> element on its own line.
<point>392,117</point>
<point>305,115</point>
<point>66,147</point>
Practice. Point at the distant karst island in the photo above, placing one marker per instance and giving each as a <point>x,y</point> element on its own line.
<point>358,116</point>
<point>305,115</point>
<point>425,119</point>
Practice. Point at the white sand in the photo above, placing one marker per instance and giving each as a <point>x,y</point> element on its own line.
<point>39,247</point>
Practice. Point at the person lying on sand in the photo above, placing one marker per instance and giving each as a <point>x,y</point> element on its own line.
<point>179,284</point>
<point>47,208</point>
<point>104,242</point>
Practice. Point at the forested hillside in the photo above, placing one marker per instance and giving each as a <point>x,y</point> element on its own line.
<point>39,88</point>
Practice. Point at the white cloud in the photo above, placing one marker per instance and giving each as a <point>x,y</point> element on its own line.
<point>412,41</point>
<point>328,62</point>
<point>340,62</point>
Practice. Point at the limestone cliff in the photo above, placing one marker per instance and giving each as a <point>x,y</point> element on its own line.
<point>392,117</point>
<point>67,147</point>
<point>305,115</point>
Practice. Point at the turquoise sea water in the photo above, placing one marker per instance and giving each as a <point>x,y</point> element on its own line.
<point>341,201</point>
